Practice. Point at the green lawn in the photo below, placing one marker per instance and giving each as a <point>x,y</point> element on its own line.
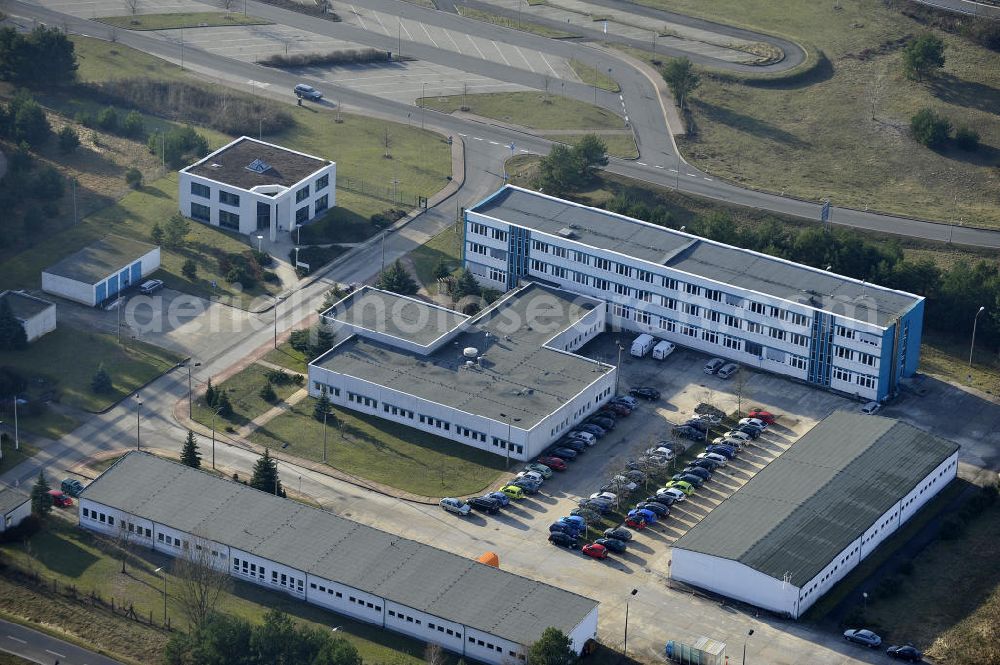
<point>383,451</point>
<point>73,556</point>
<point>446,246</point>
<point>618,145</point>
<point>593,76</point>
<point>49,423</point>
<point>531,109</point>
<point>242,389</point>
<point>67,358</point>
<point>514,24</point>
<point>287,357</point>
<point>14,456</point>
<point>100,60</point>
<point>11,659</point>
<point>949,359</point>
<point>180,20</point>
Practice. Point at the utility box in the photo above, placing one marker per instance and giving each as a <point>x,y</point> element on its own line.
<point>704,651</point>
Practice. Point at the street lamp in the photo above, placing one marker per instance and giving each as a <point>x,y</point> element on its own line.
<point>190,392</point>
<point>864,598</point>
<point>260,239</point>
<point>974,322</point>
<point>625,645</point>
<point>324,436</point>
<point>163,572</point>
<point>749,633</point>
<point>508,444</point>
<point>214,414</point>
<point>138,409</point>
<point>423,103</point>
<point>276,301</point>
<point>618,370</point>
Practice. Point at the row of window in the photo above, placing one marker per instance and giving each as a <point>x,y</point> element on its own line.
<point>361,399</point>
<point>231,220</point>
<point>247,568</point>
<point>99,517</point>
<point>435,422</point>
<point>493,647</point>
<point>856,356</point>
<point>397,411</point>
<point>488,231</point>
<point>850,333</point>
<point>507,445</point>
<point>863,380</point>
<point>287,581</point>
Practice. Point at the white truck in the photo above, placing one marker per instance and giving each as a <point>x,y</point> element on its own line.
<point>663,349</point>
<point>641,345</point>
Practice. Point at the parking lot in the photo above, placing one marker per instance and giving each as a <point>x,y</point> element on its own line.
<point>98,8</point>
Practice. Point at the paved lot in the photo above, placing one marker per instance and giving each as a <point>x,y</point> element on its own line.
<point>97,8</point>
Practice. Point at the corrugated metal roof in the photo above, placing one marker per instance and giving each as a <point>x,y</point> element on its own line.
<point>324,544</point>
<point>100,259</point>
<point>11,498</point>
<point>807,505</point>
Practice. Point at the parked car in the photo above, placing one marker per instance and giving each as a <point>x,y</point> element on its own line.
<point>761,414</point>
<point>719,460</point>
<point>485,504</point>
<point>150,286</point>
<point>863,637</point>
<point>754,422</point>
<point>500,498</point>
<point>532,475</point>
<point>526,485</point>
<point>579,445</point>
<point>651,460</point>
<point>598,505</point>
<point>728,441</point>
<point>542,470</point>
<point>697,423</point>
<point>71,486</point>
<point>613,544</point>
<point>563,453</point>
<point>513,492</point>
<point>593,429</point>
<point>645,392</point>
<point>871,408</point>
<point>636,523</point>
<point>674,493</point>
<point>689,478</point>
<point>750,430</point>
<point>905,652</point>
<point>590,516</point>
<point>681,485</point>
<point>737,434</point>
<point>618,533</point>
<point>303,90</point>
<point>660,499</point>
<point>635,476</point>
<point>660,451</point>
<point>710,418</point>
<point>621,482</point>
<point>564,540</point>
<point>641,513</point>
<point>568,529</point>
<point>554,463</point>
<point>606,424</point>
<point>707,464</point>
<point>689,432</point>
<point>699,471</point>
<point>658,508</point>
<point>608,412</point>
<point>627,400</point>
<point>713,365</point>
<point>618,407</point>
<point>577,435</point>
<point>725,451</point>
<point>59,499</point>
<point>728,370</point>
<point>578,521</point>
<point>596,551</point>
<point>457,506</point>
<point>608,496</point>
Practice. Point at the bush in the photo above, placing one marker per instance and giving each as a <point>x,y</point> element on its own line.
<point>952,528</point>
<point>69,140</point>
<point>387,217</point>
<point>133,177</point>
<point>133,125</point>
<point>929,128</point>
<point>267,393</point>
<point>189,269</point>
<point>279,377</point>
<point>262,258</point>
<point>967,139</point>
<point>47,185</point>
<point>108,119</point>
<point>270,277</point>
<point>101,381</point>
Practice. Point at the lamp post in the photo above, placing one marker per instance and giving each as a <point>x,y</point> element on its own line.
<point>138,409</point>
<point>17,440</point>
<point>190,391</point>
<point>423,93</point>
<point>625,644</point>
<point>276,301</point>
<point>974,322</point>
<point>260,239</point>
<point>214,414</point>
<point>164,574</point>
<point>864,599</point>
<point>621,348</point>
<point>510,422</point>
<point>749,633</point>
<point>324,436</point>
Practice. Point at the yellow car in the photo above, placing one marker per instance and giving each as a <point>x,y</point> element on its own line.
<point>682,485</point>
<point>513,491</point>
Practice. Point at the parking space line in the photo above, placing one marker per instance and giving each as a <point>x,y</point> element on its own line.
<point>379,19</point>
<point>402,24</point>
<point>476,46</point>
<point>521,53</point>
<point>453,42</point>
<point>549,64</point>
<point>361,19</point>
<point>428,35</point>
<point>505,61</point>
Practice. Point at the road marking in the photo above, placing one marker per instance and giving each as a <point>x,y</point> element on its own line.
<point>360,19</point>
<point>454,43</point>
<point>57,655</point>
<point>657,166</point>
<point>428,35</point>
<point>622,98</point>
<point>549,64</point>
<point>693,175</point>
<point>708,179</point>
<point>524,151</point>
<point>626,118</point>
<point>463,135</point>
<point>523,57</point>
<point>403,26</point>
<point>494,143</point>
<point>476,46</point>
<point>477,138</point>
<point>505,61</point>
<point>642,164</point>
<point>16,639</point>
<point>379,19</point>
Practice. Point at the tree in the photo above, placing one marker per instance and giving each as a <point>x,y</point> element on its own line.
<point>465,285</point>
<point>874,90</point>
<point>189,269</point>
<point>69,140</point>
<point>211,394</point>
<point>588,154</point>
<point>396,279</point>
<point>923,55</point>
<point>108,120</point>
<point>442,269</point>
<point>201,582</point>
<point>265,475</point>
<point>681,78</point>
<point>156,234</point>
<point>133,178</point>
<point>101,381</point>
<point>12,335</point>
<point>267,393</point>
<point>967,138</point>
<point>43,57</point>
<point>123,539</point>
<point>189,453</point>
<point>387,142</point>
<point>41,501</point>
<point>176,230</point>
<point>552,648</point>
<point>133,6</point>
<point>929,128</point>
<point>322,408</point>
<point>557,173</point>
<point>434,654</point>
<point>133,125</point>
<point>28,121</point>
<point>223,405</point>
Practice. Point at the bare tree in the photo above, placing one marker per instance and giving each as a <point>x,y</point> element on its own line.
<point>740,381</point>
<point>875,89</point>
<point>434,655</point>
<point>133,6</point>
<point>387,143</point>
<point>228,5</point>
<point>202,579</point>
<point>124,540</point>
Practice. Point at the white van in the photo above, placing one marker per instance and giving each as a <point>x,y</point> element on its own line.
<point>663,349</point>
<point>642,344</point>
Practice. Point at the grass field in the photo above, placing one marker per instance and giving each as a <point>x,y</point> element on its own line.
<point>72,556</point>
<point>619,145</point>
<point>11,659</point>
<point>530,109</point>
<point>66,359</point>
<point>287,357</point>
<point>242,389</point>
<point>383,451</point>
<point>180,20</point>
<point>593,76</point>
<point>949,359</point>
<point>514,24</point>
<point>446,246</point>
<point>14,456</point>
<point>817,138</point>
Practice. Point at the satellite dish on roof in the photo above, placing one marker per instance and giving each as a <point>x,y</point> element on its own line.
<point>470,352</point>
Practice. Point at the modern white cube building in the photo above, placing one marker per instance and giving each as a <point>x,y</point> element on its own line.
<point>813,325</point>
<point>36,315</point>
<point>469,608</point>
<point>102,270</point>
<point>814,513</point>
<point>255,187</point>
<point>506,380</point>
<point>15,506</point>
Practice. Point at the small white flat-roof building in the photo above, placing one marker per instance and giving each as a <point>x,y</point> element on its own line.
<point>814,513</point>
<point>15,506</point>
<point>37,315</point>
<point>101,270</point>
<point>253,187</point>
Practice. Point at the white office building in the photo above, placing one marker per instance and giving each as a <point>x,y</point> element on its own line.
<point>36,315</point>
<point>469,608</point>
<point>825,329</point>
<point>15,507</point>
<point>814,513</point>
<point>102,270</point>
<point>506,380</point>
<point>255,187</point>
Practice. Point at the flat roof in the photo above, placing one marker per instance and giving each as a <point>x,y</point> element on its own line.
<point>11,498</point>
<point>271,165</point>
<point>392,314</point>
<point>813,500</point>
<point>101,258</point>
<point>712,260</point>
<point>519,376</point>
<point>24,305</point>
<point>321,543</point>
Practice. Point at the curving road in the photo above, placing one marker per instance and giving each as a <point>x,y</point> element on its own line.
<point>41,648</point>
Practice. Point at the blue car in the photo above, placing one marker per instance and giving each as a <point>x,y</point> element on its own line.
<point>593,429</point>
<point>500,498</point>
<point>642,515</point>
<point>576,520</point>
<point>725,451</point>
<point>560,527</point>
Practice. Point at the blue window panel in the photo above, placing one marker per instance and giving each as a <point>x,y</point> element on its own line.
<point>102,292</point>
<point>112,286</point>
<point>123,279</point>
<point>136,271</point>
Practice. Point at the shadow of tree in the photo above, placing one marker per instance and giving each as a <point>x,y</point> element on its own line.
<point>951,89</point>
<point>746,123</point>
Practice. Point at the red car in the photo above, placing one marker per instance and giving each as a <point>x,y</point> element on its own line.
<point>59,499</point>
<point>761,414</point>
<point>619,409</point>
<point>638,525</point>
<point>554,463</point>
<point>596,551</point>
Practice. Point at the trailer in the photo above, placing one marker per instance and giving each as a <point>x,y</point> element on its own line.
<point>704,651</point>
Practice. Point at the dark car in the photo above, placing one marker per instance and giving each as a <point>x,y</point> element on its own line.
<point>645,392</point>
<point>619,408</point>
<point>579,445</point>
<point>697,423</point>
<point>562,453</point>
<point>907,652</point>
<point>564,540</point>
<point>710,465</point>
<point>655,506</point>
<point>602,422</point>
<point>863,637</point>
<point>565,527</point>
<point>485,504</point>
<point>691,478</point>
<point>750,430</point>
<point>618,533</point>
<point>554,463</point>
<point>589,516</point>
<point>699,471</point>
<point>689,432</point>
<point>725,451</point>
<point>596,430</point>
<point>597,505</point>
<point>527,485</point>
<point>613,544</point>
<point>308,92</point>
<point>662,500</point>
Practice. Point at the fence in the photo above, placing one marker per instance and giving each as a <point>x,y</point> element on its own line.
<point>388,192</point>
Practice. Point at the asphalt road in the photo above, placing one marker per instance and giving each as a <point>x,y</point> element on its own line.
<point>45,649</point>
<point>964,7</point>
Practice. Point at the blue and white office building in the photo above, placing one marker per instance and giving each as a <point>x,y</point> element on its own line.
<point>764,312</point>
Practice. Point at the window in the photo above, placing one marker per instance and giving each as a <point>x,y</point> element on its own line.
<point>841,374</point>
<point>731,342</point>
<point>621,289</point>
<point>229,198</point>
<point>863,380</point>
<point>623,269</point>
<point>229,220</point>
<point>601,284</point>
<point>644,276</point>
<point>476,248</point>
<point>580,257</point>
<point>478,229</point>
<point>497,234</point>
<point>670,303</point>
<point>796,319</point>
<point>538,266</point>
<point>692,289</point>
<point>86,512</point>
<point>497,275</point>
<point>752,326</point>
<point>732,321</point>
<point>846,333</point>
<point>322,203</point>
<point>709,336</point>
<point>712,315</point>
<point>797,362</point>
<point>753,348</point>
<point>322,182</point>
<point>200,212</point>
<point>691,309</point>
<point>755,307</point>
<point>797,339</point>
<point>867,359</point>
<point>713,294</point>
<point>670,283</point>
<point>777,333</point>
<point>539,246</point>
<point>302,194</point>
<point>302,215</point>
<point>111,520</point>
<point>602,264</point>
<point>198,189</point>
<point>559,252</point>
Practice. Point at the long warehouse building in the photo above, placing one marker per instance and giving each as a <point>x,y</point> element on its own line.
<point>431,595</point>
<point>826,329</point>
<point>814,513</point>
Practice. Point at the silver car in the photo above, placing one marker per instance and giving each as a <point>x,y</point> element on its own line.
<point>728,370</point>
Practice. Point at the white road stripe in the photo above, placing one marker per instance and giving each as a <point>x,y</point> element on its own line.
<point>657,166</point>
<point>642,164</point>
<point>693,175</point>
<point>360,19</point>
<point>16,639</point>
<point>403,26</point>
<point>549,64</point>
<point>453,42</point>
<point>505,61</point>
<point>476,46</point>
<point>523,57</point>
<point>463,135</point>
<point>494,143</point>
<point>477,138</point>
<point>54,653</point>
<point>621,98</point>
<point>429,35</point>
<point>523,150</point>
<point>379,19</point>
<point>671,170</point>
<point>708,179</point>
